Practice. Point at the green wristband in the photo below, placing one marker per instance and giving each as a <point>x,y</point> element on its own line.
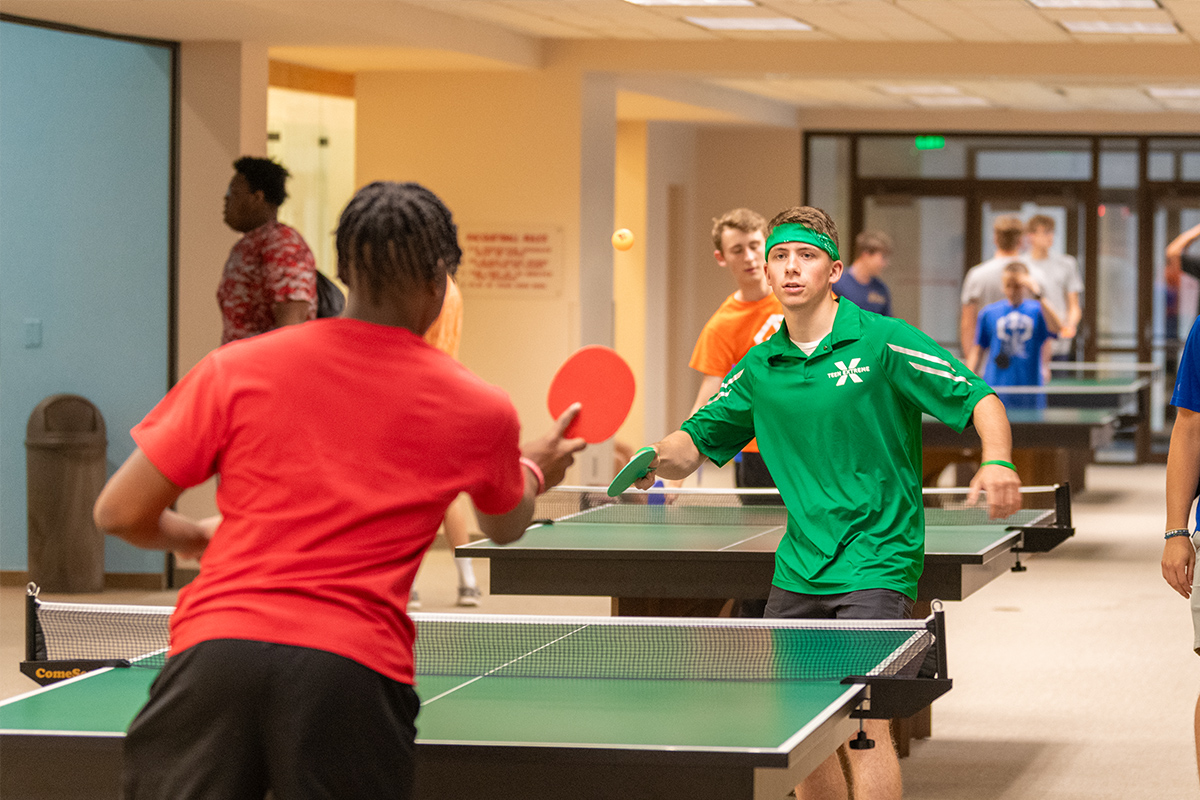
<point>998,462</point>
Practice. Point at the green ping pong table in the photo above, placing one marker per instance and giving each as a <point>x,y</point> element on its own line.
<point>1050,445</point>
<point>674,553</point>
<point>574,708</point>
<point>1088,403</point>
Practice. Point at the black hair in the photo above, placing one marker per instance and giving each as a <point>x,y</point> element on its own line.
<point>264,175</point>
<point>396,233</point>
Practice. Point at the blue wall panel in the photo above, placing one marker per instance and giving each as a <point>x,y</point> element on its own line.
<point>85,157</point>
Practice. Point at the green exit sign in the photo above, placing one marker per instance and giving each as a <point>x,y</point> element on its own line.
<point>930,142</point>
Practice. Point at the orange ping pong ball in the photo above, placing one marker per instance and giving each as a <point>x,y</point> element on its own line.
<point>622,239</point>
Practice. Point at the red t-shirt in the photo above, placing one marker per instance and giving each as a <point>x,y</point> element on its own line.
<point>339,444</point>
<point>270,264</point>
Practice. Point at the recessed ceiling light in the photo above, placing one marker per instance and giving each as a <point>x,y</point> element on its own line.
<point>749,23</point>
<point>692,2</point>
<point>948,100</point>
<point>1174,92</point>
<point>1104,26</point>
<point>1095,4</point>
<point>926,90</point>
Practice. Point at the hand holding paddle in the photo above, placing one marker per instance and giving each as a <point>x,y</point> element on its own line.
<point>636,472</point>
<point>554,453</point>
<point>599,380</point>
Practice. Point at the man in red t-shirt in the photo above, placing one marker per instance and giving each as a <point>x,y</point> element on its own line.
<point>270,279</point>
<point>339,445</point>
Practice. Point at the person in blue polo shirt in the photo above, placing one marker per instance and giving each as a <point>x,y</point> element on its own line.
<point>1183,475</point>
<point>836,399</point>
<point>1010,334</point>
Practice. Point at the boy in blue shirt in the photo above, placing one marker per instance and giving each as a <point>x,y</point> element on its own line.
<point>860,283</point>
<point>1183,474</point>
<point>1010,334</point>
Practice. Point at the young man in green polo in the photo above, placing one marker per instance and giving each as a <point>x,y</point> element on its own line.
<point>835,398</point>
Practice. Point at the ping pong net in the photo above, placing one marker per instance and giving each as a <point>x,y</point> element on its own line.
<point>1042,506</point>
<point>652,648</point>
<point>77,637</point>
<point>66,639</point>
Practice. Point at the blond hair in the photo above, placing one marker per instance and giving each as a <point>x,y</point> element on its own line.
<point>1039,222</point>
<point>741,219</point>
<point>868,242</point>
<point>1008,230</point>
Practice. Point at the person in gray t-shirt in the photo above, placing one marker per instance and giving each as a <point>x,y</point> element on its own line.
<point>1061,283</point>
<point>984,282</point>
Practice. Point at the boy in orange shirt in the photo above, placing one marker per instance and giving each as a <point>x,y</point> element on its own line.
<point>747,317</point>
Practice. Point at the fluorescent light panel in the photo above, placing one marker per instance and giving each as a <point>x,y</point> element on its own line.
<point>948,100</point>
<point>925,90</point>
<point>692,2</point>
<point>1104,26</point>
<point>1174,92</point>
<point>749,23</point>
<point>1096,4</point>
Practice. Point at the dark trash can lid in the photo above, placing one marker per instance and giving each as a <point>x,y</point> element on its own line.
<point>65,419</point>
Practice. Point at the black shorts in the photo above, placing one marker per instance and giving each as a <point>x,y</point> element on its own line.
<point>862,604</point>
<point>750,471</point>
<point>231,719</point>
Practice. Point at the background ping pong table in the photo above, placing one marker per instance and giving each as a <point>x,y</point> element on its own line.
<point>1050,445</point>
<point>1055,444</point>
<point>523,736</point>
<point>661,559</point>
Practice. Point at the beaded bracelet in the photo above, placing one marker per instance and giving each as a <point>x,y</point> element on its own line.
<point>998,462</point>
<point>1177,532</point>
<point>530,465</point>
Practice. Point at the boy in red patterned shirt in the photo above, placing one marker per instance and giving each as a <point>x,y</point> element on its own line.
<point>270,279</point>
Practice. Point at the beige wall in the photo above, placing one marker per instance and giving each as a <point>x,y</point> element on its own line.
<point>669,242</point>
<point>214,131</point>
<point>497,148</point>
<point>757,168</point>
<point>629,270</point>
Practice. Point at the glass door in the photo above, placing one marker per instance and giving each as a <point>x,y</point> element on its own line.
<point>1067,212</point>
<point>1175,303</point>
<point>925,273</point>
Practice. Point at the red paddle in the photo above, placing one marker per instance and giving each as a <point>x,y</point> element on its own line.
<point>600,380</point>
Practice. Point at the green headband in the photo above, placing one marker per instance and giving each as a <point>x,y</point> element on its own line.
<point>795,232</point>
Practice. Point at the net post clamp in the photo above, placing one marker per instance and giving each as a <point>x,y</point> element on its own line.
<point>889,698</point>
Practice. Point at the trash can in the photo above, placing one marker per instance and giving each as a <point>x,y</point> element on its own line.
<point>65,448</point>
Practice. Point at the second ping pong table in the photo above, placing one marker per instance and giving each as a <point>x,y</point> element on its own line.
<point>1088,405</point>
<point>518,720</point>
<point>1050,445</point>
<point>636,552</point>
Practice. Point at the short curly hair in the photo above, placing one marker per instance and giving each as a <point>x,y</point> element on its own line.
<point>264,175</point>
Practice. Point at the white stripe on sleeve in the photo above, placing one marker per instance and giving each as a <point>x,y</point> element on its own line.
<point>939,372</point>
<point>919,354</point>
